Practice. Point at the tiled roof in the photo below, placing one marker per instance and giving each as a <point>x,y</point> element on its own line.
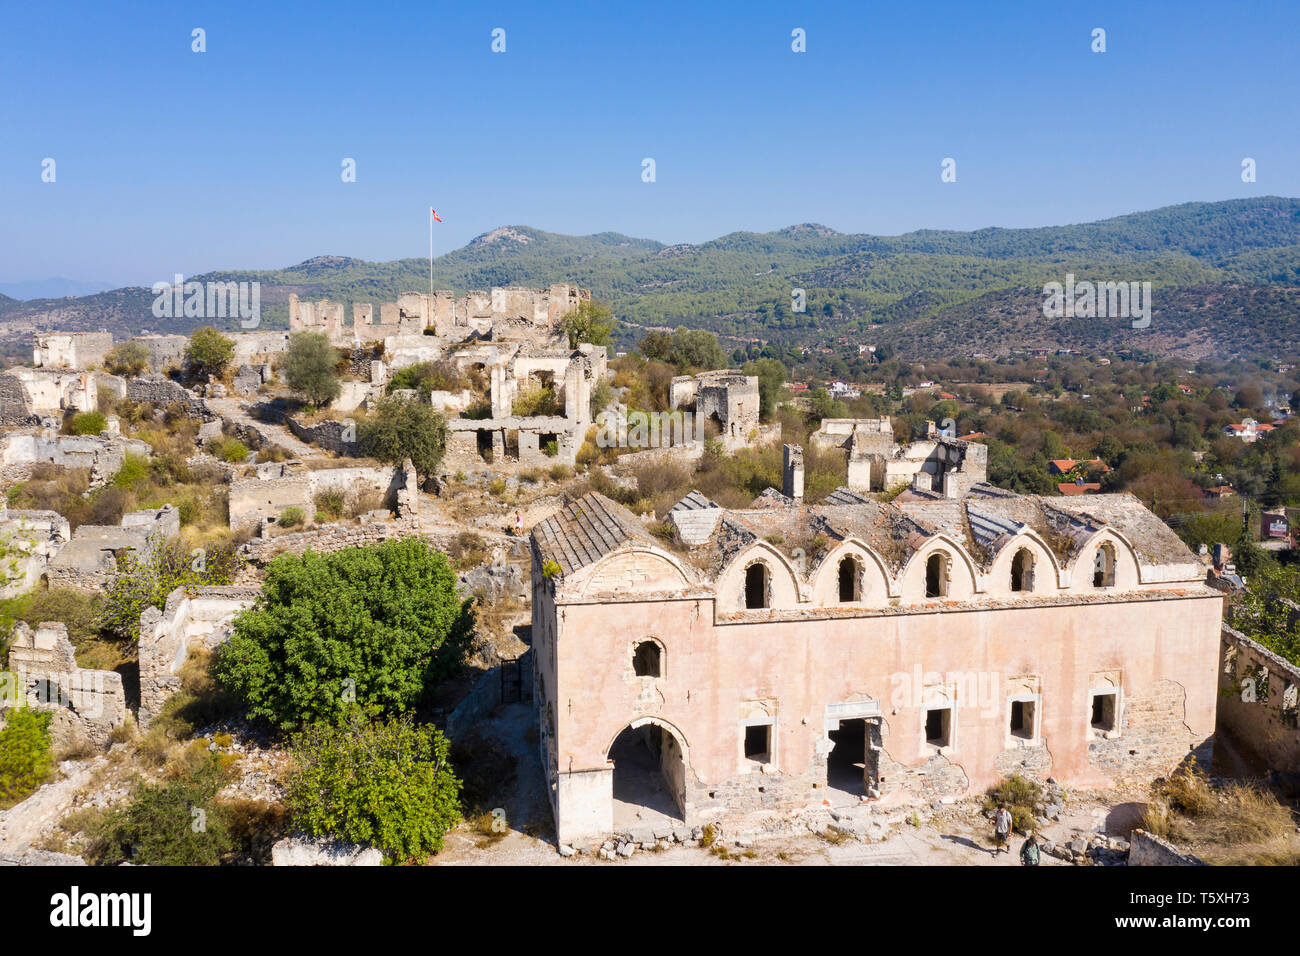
<point>585,530</point>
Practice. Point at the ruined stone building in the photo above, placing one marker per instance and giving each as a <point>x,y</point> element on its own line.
<point>788,654</point>
<point>71,349</point>
<point>940,463</point>
<point>726,407</point>
<point>501,314</point>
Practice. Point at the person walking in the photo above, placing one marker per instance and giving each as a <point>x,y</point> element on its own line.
<point>1029,853</point>
<point>1002,829</point>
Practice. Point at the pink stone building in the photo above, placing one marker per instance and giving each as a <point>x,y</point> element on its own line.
<point>789,655</point>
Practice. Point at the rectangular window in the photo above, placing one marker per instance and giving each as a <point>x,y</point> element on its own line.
<point>1105,711</point>
<point>938,726</point>
<point>1022,719</point>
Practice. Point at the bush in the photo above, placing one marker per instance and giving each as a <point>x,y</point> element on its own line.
<point>88,423</point>
<point>146,583</point>
<point>230,450</point>
<point>1020,795</point>
<point>309,367</point>
<point>389,785</point>
<point>291,517</point>
<point>128,358</point>
<point>209,352</point>
<point>25,760</point>
<point>329,505</point>
<point>134,471</point>
<point>363,629</point>
<point>399,430</point>
<point>178,823</point>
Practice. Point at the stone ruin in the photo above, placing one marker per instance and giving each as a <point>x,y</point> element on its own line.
<point>86,704</point>
<point>89,560</point>
<point>34,537</point>
<point>937,464</point>
<point>261,496</point>
<point>502,314</point>
<point>726,405</point>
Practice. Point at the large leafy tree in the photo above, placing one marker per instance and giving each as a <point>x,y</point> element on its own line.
<point>361,631</point>
<point>309,367</point>
<point>400,429</point>
<point>590,322</point>
<point>209,352</point>
<point>389,784</point>
<point>772,375</point>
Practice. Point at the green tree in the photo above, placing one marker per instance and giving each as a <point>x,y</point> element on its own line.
<point>388,784</point>
<point>400,429</point>
<point>145,582</point>
<point>772,376</point>
<point>309,367</point>
<point>25,760</point>
<point>128,358</point>
<point>88,423</point>
<point>366,630</point>
<point>209,352</point>
<point>656,345</point>
<point>590,322</point>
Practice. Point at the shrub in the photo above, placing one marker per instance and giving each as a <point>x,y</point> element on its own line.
<point>128,358</point>
<point>230,450</point>
<point>363,629</point>
<point>178,823</point>
<point>134,471</point>
<point>309,367</point>
<point>88,423</point>
<point>25,760</point>
<point>146,583</point>
<point>209,352</point>
<point>399,430</point>
<point>291,517</point>
<point>1020,794</point>
<point>389,785</point>
<point>329,505</point>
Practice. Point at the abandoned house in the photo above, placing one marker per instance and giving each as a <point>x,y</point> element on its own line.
<point>940,463</point>
<point>789,654</point>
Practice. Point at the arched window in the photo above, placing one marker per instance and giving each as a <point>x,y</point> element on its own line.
<point>1103,567</point>
<point>850,580</point>
<point>1022,571</point>
<point>936,575</point>
<point>647,660</point>
<point>757,580</point>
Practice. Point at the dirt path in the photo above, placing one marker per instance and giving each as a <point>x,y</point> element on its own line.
<point>230,409</point>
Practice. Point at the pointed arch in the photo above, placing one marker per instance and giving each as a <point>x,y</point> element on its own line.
<point>962,577</point>
<point>877,582</point>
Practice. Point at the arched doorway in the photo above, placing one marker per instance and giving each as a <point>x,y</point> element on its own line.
<point>649,777</point>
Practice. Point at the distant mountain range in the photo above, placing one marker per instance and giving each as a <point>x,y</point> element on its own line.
<point>55,288</point>
<point>1225,275</point>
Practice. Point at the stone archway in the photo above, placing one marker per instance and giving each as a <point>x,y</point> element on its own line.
<point>649,786</point>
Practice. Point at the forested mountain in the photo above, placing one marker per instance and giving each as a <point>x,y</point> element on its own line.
<point>925,290</point>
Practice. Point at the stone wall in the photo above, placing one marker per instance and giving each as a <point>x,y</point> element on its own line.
<point>161,392</point>
<point>197,620</point>
<point>329,435</point>
<point>277,486</point>
<point>89,560</point>
<point>485,696</point>
<point>79,350</point>
<point>165,351</point>
<point>38,536</point>
<point>1258,703</point>
<point>102,455</point>
<point>86,704</point>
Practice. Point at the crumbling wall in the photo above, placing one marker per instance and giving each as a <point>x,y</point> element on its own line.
<point>1153,736</point>
<point>89,560</point>
<point>1259,706</point>
<point>274,487</point>
<point>1147,849</point>
<point>101,455</point>
<point>47,392</point>
<point>165,351</point>
<point>36,536</point>
<point>161,392</point>
<point>86,704</point>
<point>74,350</point>
<point>197,620</point>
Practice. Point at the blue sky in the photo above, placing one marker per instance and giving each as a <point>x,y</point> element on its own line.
<point>173,161</point>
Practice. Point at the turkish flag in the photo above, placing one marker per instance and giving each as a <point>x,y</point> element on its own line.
<point>434,214</point>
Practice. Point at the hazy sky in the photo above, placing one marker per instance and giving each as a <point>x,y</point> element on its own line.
<point>167,160</point>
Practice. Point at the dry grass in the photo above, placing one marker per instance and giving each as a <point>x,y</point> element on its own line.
<point>1187,810</point>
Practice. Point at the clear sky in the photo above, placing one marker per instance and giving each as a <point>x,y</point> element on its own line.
<point>171,161</point>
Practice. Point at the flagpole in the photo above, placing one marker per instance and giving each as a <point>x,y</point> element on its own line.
<point>430,257</point>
